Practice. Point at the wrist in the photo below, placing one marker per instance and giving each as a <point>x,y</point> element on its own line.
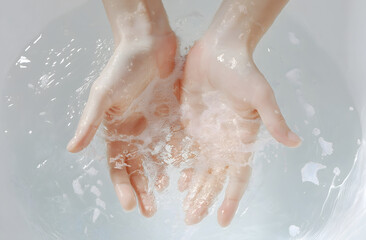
<point>133,20</point>
<point>242,23</point>
<point>233,36</point>
<point>236,25</point>
<point>139,27</point>
<point>229,42</point>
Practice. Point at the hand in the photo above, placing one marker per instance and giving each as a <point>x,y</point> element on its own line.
<point>115,99</point>
<point>224,96</point>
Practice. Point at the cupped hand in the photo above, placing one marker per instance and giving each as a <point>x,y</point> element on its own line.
<point>224,98</point>
<point>114,100</point>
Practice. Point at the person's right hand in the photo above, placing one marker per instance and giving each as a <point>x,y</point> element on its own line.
<point>134,64</point>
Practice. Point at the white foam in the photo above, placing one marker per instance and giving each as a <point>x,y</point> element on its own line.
<point>96,214</point>
<point>327,147</point>
<point>316,131</point>
<point>293,230</point>
<point>95,191</point>
<point>77,187</point>
<point>309,172</point>
<point>92,171</point>
<point>309,109</point>
<point>100,203</point>
<point>336,171</point>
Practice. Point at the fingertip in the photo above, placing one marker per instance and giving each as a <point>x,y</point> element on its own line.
<point>285,136</point>
<point>162,183</point>
<point>149,212</point>
<point>192,219</point>
<point>84,135</point>
<point>89,123</point>
<point>226,212</point>
<point>126,196</point>
<point>276,124</point>
<point>289,140</point>
<point>182,183</point>
<point>147,205</point>
<point>220,218</point>
<point>195,214</point>
<point>74,145</point>
<point>294,140</point>
<point>71,145</point>
<point>185,179</point>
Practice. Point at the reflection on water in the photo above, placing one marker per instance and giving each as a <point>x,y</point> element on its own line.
<point>293,192</point>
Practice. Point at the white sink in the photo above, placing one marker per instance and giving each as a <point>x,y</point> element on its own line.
<point>313,57</point>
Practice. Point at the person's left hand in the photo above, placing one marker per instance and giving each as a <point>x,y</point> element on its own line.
<point>224,98</point>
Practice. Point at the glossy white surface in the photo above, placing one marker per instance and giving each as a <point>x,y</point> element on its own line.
<point>313,56</point>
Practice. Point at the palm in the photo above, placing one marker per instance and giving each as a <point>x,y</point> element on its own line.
<point>223,97</point>
<point>126,99</point>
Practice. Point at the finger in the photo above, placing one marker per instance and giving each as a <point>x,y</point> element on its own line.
<point>162,179</point>
<point>204,195</point>
<point>192,215</point>
<point>198,179</point>
<point>161,182</point>
<point>238,181</point>
<point>120,177</point>
<point>90,120</point>
<point>140,183</point>
<point>182,147</point>
<point>274,120</point>
<point>185,179</point>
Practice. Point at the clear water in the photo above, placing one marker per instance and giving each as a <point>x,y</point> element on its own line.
<point>67,196</point>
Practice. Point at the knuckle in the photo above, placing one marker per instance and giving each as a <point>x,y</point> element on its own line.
<point>265,93</point>
<point>262,94</point>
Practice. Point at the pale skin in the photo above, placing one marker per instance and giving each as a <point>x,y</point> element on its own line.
<point>144,38</point>
<point>222,62</point>
<point>145,48</point>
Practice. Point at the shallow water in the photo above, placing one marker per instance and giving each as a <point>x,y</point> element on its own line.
<point>67,196</point>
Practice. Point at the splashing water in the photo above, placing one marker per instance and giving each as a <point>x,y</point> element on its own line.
<point>70,196</point>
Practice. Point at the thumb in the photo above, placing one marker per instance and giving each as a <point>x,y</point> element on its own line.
<point>274,120</point>
<point>97,105</point>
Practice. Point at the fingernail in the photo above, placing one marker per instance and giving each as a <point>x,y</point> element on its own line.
<point>294,138</point>
<point>126,196</point>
